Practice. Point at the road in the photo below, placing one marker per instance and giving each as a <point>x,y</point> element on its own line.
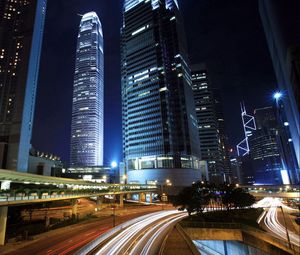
<point>84,207</point>
<point>69,239</point>
<point>143,237</point>
<point>273,220</point>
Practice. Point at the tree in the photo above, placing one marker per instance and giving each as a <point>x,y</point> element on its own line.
<point>193,199</point>
<point>237,198</point>
<point>242,198</point>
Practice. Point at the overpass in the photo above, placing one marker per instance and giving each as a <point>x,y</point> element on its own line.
<point>23,188</point>
<point>281,191</point>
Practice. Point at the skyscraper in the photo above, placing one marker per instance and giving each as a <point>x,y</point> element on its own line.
<point>281,23</point>
<point>21,34</point>
<point>88,96</point>
<point>222,133</point>
<point>211,125</point>
<point>160,139</point>
<point>264,151</point>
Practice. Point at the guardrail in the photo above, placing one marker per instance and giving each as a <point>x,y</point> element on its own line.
<point>13,197</point>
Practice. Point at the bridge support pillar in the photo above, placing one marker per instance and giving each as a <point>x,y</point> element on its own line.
<point>99,201</point>
<point>74,209</point>
<point>142,197</point>
<point>150,197</point>
<point>3,220</point>
<point>121,200</point>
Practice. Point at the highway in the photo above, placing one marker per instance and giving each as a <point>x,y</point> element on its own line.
<point>145,236</point>
<point>270,219</point>
<point>68,240</point>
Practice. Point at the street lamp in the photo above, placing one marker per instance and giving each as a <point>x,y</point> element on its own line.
<point>286,229</point>
<point>277,95</point>
<point>114,164</point>
<point>163,195</point>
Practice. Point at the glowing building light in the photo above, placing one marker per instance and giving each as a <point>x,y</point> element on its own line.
<point>114,164</point>
<point>277,95</point>
<point>285,177</point>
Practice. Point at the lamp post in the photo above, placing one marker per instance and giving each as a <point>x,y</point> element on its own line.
<point>286,230</point>
<point>163,195</point>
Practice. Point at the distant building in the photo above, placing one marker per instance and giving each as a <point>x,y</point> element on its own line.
<point>264,151</point>
<point>101,174</point>
<point>44,163</point>
<point>281,23</point>
<point>122,173</point>
<point>160,139</point>
<point>222,133</point>
<point>236,171</point>
<point>88,95</point>
<point>21,34</point>
<point>211,127</point>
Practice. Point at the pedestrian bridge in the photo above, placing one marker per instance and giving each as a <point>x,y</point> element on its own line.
<point>23,188</point>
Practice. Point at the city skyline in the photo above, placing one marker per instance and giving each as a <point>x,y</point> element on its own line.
<point>51,66</point>
<point>149,127</point>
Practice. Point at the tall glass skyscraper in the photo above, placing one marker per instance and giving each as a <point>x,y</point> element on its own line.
<point>211,125</point>
<point>88,97</point>
<point>160,137</point>
<point>280,20</point>
<point>21,34</point>
<point>264,150</point>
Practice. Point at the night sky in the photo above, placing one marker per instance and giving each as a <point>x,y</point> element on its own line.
<point>227,35</point>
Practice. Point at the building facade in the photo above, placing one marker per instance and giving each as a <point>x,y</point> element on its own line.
<point>44,163</point>
<point>211,126</point>
<point>21,34</point>
<point>88,95</point>
<point>281,23</point>
<point>160,140</point>
<point>264,150</point>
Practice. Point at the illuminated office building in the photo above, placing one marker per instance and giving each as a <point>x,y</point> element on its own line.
<point>264,150</point>
<point>160,139</point>
<point>21,34</point>
<point>211,126</point>
<point>88,97</point>
<point>281,24</point>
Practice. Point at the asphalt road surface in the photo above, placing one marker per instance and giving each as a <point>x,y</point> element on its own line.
<point>69,239</point>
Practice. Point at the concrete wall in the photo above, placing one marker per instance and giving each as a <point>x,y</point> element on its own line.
<point>214,234</point>
<point>227,247</point>
<point>248,235</point>
<point>44,163</point>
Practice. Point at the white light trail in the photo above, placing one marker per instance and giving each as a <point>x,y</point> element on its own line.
<point>271,219</point>
<point>119,242</point>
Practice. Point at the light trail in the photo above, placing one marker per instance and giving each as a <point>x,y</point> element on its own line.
<point>158,235</point>
<point>155,233</point>
<point>128,238</point>
<point>271,219</point>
